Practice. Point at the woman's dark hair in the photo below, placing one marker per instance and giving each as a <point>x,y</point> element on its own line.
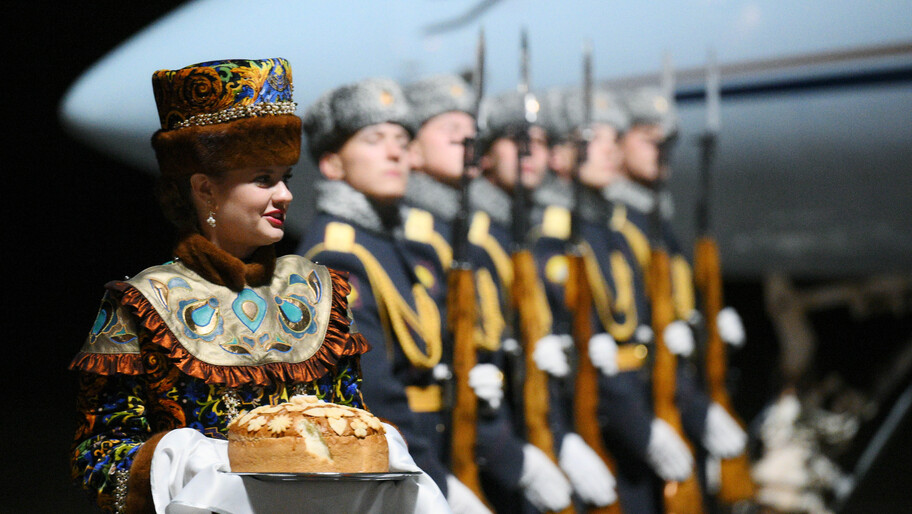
<point>176,203</point>
<point>176,200</point>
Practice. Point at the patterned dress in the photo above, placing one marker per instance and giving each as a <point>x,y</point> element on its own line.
<point>175,347</point>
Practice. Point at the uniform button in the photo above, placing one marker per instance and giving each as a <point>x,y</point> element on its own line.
<point>440,428</point>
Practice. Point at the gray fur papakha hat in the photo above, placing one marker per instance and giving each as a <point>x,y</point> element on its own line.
<point>439,94</point>
<point>341,112</point>
<point>606,108</point>
<point>648,105</point>
<point>554,115</point>
<point>505,114</point>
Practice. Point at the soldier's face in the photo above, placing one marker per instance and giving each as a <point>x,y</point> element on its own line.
<point>438,148</point>
<point>562,159</point>
<point>373,161</point>
<point>500,161</point>
<point>640,147</point>
<point>603,158</point>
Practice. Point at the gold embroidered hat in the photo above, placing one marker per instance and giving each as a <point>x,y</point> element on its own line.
<point>221,115</point>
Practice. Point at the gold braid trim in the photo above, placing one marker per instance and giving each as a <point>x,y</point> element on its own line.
<point>443,249</point>
<point>682,287</point>
<point>487,335</point>
<point>602,297</point>
<point>397,314</point>
<point>634,236</point>
<point>479,236</point>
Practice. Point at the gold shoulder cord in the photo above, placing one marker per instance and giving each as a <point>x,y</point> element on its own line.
<point>634,236</point>
<point>442,247</point>
<point>487,335</point>
<point>623,305</point>
<point>419,226</point>
<point>395,310</point>
<point>479,236</point>
<point>682,286</point>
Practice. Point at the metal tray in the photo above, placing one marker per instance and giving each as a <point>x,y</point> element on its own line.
<point>304,477</point>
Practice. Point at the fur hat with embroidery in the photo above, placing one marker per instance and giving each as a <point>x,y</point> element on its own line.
<point>341,112</point>
<point>222,115</point>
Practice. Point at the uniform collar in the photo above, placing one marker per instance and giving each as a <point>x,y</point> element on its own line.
<point>433,196</point>
<point>220,267</point>
<point>486,197</point>
<point>639,197</point>
<point>339,199</point>
<point>554,191</point>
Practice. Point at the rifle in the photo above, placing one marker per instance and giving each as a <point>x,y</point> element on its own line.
<point>736,483</point>
<point>462,314</point>
<point>527,293</point>
<point>678,497</point>
<point>578,297</point>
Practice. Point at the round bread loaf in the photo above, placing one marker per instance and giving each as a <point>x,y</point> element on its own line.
<point>307,435</point>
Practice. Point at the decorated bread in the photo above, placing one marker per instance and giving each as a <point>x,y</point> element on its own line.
<point>307,435</point>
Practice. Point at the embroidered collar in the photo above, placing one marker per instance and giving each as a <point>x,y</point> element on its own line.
<point>639,197</point>
<point>222,268</point>
<point>486,197</point>
<point>433,196</point>
<point>339,199</point>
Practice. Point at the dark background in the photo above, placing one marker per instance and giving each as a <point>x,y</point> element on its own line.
<point>75,219</point>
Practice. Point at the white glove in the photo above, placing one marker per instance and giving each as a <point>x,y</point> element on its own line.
<point>487,382</point>
<point>430,498</point>
<point>667,453</point>
<point>730,327</point>
<point>603,351</point>
<point>590,477</point>
<point>179,456</point>
<point>549,356</point>
<point>644,334</point>
<point>713,474</point>
<point>462,500</point>
<point>543,483</point>
<point>723,438</point>
<point>679,339</point>
<point>442,372</point>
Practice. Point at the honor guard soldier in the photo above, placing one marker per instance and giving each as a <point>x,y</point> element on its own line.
<point>637,198</point>
<point>443,108</point>
<point>638,443</point>
<point>506,174</point>
<point>358,135</point>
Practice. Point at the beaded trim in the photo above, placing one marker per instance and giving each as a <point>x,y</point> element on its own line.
<point>233,113</point>
<point>120,489</point>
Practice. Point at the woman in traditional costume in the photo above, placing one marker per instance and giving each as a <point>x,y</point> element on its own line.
<point>226,326</point>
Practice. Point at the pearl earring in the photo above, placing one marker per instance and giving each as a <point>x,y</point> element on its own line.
<point>211,219</point>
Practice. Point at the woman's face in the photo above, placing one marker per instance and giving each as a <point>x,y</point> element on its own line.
<point>640,146</point>
<point>438,148</point>
<point>249,206</point>
<point>372,161</point>
<point>500,161</point>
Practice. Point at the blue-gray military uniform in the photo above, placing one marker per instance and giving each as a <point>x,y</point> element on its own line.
<point>432,208</point>
<point>625,409</point>
<point>394,310</point>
